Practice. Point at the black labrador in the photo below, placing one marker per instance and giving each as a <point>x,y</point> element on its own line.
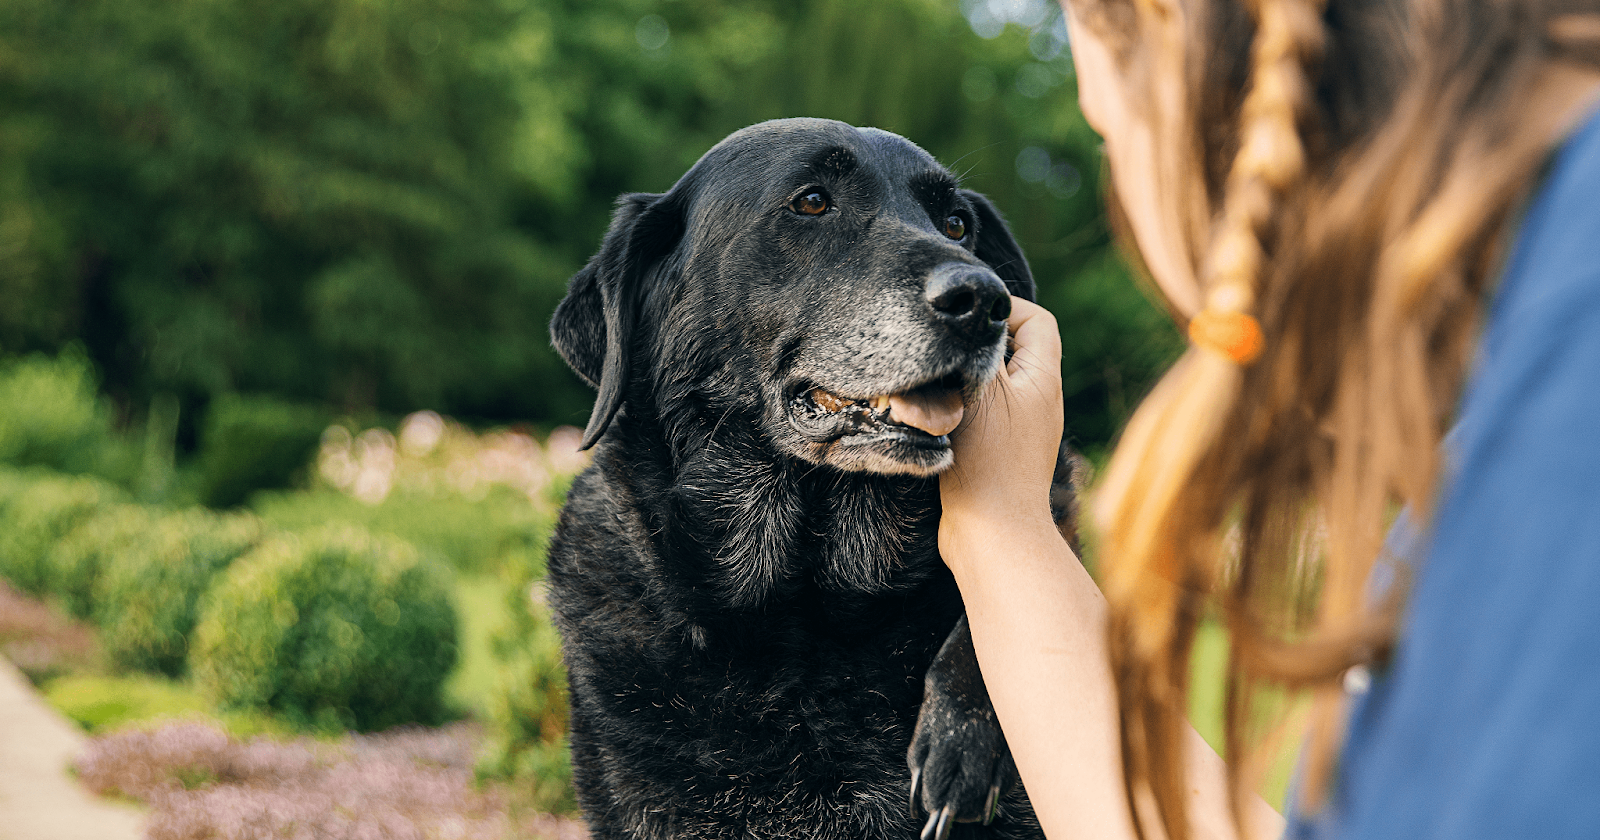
<point>747,578</point>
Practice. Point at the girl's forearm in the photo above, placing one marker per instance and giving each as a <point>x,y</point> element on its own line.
<point>1038,622</point>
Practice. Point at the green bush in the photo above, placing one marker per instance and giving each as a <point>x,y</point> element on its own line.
<point>335,627</point>
<point>527,708</point>
<point>254,443</point>
<point>146,597</point>
<point>13,484</point>
<point>54,416</point>
<point>73,565</point>
<point>44,509</point>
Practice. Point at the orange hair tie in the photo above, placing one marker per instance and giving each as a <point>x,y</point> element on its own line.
<point>1233,334</point>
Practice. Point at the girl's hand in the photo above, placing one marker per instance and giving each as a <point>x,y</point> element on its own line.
<point>1005,453</point>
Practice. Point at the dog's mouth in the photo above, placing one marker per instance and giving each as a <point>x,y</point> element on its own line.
<point>932,410</point>
<point>897,422</point>
<point>922,416</point>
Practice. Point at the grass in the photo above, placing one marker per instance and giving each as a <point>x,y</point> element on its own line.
<point>1207,685</point>
<point>1206,666</point>
<point>106,703</point>
<point>1206,709</point>
<point>480,603</point>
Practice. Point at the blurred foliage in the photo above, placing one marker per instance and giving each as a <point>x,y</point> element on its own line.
<point>307,198</point>
<point>327,660</point>
<point>1208,663</point>
<point>376,205</point>
<point>488,502</point>
<point>146,596</point>
<point>74,563</point>
<point>135,570</point>
<point>37,511</point>
<point>102,703</point>
<point>54,416</point>
<point>480,500</point>
<point>476,534</point>
<point>527,705</point>
<point>254,443</point>
<point>334,628</point>
<point>481,607</point>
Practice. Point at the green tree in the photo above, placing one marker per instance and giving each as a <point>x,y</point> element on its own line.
<point>302,197</point>
<point>377,204</point>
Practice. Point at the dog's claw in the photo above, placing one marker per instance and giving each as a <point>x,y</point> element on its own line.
<point>938,827</point>
<point>993,806</point>
<point>916,788</point>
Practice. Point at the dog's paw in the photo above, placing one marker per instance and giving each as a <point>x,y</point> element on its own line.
<point>960,764</point>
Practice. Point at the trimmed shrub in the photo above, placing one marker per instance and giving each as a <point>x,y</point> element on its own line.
<point>42,510</point>
<point>334,628</point>
<point>73,564</point>
<point>254,443</point>
<point>146,597</point>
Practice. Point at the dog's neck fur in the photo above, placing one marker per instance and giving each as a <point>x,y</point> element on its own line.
<point>747,529</point>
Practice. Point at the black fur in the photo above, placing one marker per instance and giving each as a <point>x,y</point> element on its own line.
<point>748,586</point>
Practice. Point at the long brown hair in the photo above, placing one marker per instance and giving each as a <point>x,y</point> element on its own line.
<point>1345,171</point>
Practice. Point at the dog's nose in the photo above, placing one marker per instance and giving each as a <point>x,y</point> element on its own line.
<point>969,298</point>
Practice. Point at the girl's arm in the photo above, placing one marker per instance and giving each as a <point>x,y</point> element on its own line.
<point>1038,620</point>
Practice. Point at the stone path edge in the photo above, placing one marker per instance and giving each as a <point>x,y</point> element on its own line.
<point>40,799</point>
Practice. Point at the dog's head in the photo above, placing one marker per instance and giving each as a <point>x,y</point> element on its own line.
<point>831,284</point>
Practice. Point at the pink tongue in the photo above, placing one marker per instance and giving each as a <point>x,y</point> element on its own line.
<point>937,414</point>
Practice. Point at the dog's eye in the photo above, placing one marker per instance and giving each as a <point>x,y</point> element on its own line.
<point>955,227</point>
<point>810,203</point>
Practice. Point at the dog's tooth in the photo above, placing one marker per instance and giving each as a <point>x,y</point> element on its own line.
<point>880,402</point>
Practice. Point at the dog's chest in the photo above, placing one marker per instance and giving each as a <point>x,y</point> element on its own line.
<point>760,744</point>
<point>689,709</point>
<point>762,530</point>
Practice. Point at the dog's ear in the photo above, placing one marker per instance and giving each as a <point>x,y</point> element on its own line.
<point>998,249</point>
<point>591,326</point>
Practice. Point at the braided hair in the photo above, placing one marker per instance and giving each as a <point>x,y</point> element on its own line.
<point>1151,597</point>
<point>1357,162</point>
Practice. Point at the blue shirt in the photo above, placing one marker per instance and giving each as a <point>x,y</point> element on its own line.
<point>1486,723</point>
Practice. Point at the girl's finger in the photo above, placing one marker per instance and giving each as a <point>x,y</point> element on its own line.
<point>1033,333</point>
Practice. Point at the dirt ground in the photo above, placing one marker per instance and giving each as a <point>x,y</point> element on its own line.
<point>39,798</point>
